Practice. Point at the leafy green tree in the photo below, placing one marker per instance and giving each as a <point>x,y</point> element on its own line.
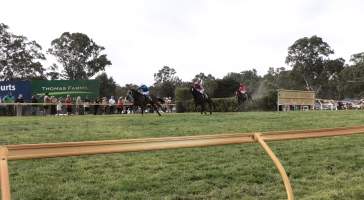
<point>351,82</point>
<point>166,82</point>
<point>121,91</point>
<point>238,77</point>
<point>53,74</point>
<point>357,59</point>
<point>309,58</point>
<point>251,79</point>
<point>248,77</point>
<point>166,74</point>
<point>79,55</point>
<point>107,85</point>
<point>225,87</point>
<point>19,57</point>
<point>203,77</point>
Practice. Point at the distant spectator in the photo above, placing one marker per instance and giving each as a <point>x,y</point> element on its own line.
<point>20,99</point>
<point>130,109</point>
<point>104,105</point>
<point>86,105</point>
<point>97,105</point>
<point>120,105</point>
<point>54,105</point>
<point>111,105</point>
<point>68,103</point>
<point>46,101</point>
<point>59,106</point>
<point>19,108</point>
<point>168,103</point>
<point>78,105</point>
<point>34,107</point>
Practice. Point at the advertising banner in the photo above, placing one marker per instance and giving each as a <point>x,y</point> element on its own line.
<point>62,88</point>
<point>14,88</point>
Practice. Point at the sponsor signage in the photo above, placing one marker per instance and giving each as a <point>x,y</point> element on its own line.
<point>15,88</point>
<point>62,88</point>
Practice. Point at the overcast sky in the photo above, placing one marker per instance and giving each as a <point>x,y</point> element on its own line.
<point>192,36</point>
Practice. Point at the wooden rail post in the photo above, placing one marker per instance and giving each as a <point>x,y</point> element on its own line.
<point>4,174</point>
<point>278,165</point>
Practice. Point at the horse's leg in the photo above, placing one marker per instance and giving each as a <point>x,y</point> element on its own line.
<point>210,106</point>
<point>158,105</point>
<point>155,108</point>
<point>203,108</point>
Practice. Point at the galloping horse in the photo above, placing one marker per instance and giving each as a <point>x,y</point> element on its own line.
<point>242,98</point>
<point>201,99</point>
<point>141,100</point>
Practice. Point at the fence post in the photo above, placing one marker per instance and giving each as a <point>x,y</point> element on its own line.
<point>19,109</point>
<point>278,165</point>
<point>4,174</point>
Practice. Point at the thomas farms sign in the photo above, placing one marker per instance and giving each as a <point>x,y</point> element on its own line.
<point>63,88</point>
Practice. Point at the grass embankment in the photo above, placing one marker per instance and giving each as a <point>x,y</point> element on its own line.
<point>329,168</point>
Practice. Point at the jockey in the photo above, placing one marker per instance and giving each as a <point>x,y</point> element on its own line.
<point>242,88</point>
<point>144,90</point>
<point>198,86</point>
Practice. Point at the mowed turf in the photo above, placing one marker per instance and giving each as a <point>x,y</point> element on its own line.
<point>328,168</point>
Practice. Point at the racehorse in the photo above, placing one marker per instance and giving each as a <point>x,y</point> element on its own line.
<point>141,100</point>
<point>201,99</point>
<point>242,98</point>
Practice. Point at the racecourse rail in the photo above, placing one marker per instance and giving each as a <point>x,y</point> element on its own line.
<point>50,150</point>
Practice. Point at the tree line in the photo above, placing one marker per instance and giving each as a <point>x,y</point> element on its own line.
<point>311,67</point>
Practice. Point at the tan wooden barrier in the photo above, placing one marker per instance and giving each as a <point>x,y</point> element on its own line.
<point>48,150</point>
<point>278,164</point>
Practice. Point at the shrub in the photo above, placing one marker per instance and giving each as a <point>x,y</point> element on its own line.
<point>183,94</point>
<point>266,103</point>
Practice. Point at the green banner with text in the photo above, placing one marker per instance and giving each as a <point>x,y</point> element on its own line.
<point>62,88</point>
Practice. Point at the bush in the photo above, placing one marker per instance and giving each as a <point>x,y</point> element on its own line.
<point>266,103</point>
<point>219,105</point>
<point>183,94</point>
<point>185,106</point>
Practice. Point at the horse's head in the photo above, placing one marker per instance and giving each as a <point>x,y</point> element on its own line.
<point>130,95</point>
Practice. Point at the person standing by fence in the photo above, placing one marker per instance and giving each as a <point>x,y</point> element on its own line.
<point>120,105</point>
<point>78,105</point>
<point>19,109</point>
<point>111,105</point>
<point>104,105</point>
<point>59,106</point>
<point>46,101</point>
<point>68,103</point>
<point>86,105</point>
<point>96,105</point>
<point>34,107</point>
<point>54,105</point>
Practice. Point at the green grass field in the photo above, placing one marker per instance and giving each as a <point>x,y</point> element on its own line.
<point>329,168</point>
